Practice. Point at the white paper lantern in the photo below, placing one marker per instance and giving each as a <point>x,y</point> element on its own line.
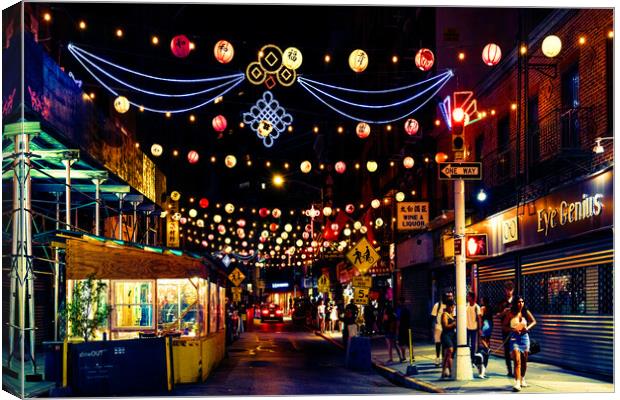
<point>193,213</point>
<point>551,46</point>
<point>156,150</point>
<point>121,104</point>
<point>327,211</point>
<point>375,203</point>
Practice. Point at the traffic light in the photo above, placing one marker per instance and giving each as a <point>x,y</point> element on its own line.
<point>476,245</point>
<point>458,139</point>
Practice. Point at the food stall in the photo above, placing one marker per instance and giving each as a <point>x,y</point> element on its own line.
<point>156,292</point>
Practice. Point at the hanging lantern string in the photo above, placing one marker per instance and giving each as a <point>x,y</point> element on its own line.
<point>229,77</point>
<point>234,83</point>
<point>73,48</point>
<point>441,83</point>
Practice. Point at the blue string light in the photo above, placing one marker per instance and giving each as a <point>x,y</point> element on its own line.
<point>234,83</point>
<point>71,46</point>
<point>79,56</point>
<point>448,72</point>
<point>446,110</point>
<point>441,84</point>
<point>398,103</point>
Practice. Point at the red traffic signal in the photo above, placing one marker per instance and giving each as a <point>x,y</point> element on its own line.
<point>476,245</point>
<point>458,116</point>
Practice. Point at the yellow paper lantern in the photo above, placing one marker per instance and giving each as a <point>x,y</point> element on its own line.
<point>400,196</point>
<point>217,218</point>
<point>378,222</point>
<point>292,58</point>
<point>371,166</point>
<point>229,208</point>
<point>551,46</point>
<point>306,167</point>
<point>357,225</point>
<point>175,196</point>
<point>375,203</point>
<point>327,211</point>
<point>230,161</point>
<point>193,213</point>
<point>156,150</point>
<point>358,60</point>
<point>121,104</point>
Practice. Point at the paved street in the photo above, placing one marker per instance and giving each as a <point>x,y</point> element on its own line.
<point>278,359</point>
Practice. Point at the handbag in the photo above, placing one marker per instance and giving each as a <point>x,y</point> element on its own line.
<point>534,346</point>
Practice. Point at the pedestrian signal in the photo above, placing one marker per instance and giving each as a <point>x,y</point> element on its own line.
<point>476,245</point>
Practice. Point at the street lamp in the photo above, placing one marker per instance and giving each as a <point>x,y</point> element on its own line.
<point>598,148</point>
<point>482,195</point>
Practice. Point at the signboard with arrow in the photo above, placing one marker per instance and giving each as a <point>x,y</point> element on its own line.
<point>460,170</point>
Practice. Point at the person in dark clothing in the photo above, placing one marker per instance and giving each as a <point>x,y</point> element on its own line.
<point>403,323</point>
<point>390,329</point>
<point>349,318</point>
<point>448,338</point>
<point>503,313</point>
<point>369,319</point>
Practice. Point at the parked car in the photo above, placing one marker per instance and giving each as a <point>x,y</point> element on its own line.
<point>271,312</point>
<point>301,312</point>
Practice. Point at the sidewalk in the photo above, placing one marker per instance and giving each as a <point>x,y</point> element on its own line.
<point>541,378</point>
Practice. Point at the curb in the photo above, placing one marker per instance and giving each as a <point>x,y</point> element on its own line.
<point>392,374</point>
<point>404,380</point>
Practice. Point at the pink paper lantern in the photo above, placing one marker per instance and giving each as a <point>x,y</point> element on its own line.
<point>424,59</point>
<point>193,157</point>
<point>362,130</point>
<point>411,127</point>
<point>491,54</point>
<point>180,46</point>
<point>341,167</point>
<point>219,123</point>
<point>349,208</point>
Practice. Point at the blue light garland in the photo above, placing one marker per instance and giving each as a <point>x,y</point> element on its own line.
<point>79,56</point>
<point>444,78</point>
<point>234,83</point>
<point>443,75</point>
<point>398,103</point>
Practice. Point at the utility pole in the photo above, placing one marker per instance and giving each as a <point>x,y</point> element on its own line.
<point>462,370</point>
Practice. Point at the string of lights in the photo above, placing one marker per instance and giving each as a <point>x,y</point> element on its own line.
<point>122,82</point>
<point>234,83</point>
<point>396,104</point>
<point>73,47</point>
<point>440,85</point>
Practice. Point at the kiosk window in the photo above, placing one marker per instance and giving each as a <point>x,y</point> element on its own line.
<point>178,306</point>
<point>132,304</point>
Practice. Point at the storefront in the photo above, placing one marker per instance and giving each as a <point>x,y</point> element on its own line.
<point>155,292</point>
<point>558,251</point>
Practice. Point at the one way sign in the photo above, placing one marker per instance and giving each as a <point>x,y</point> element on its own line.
<point>460,170</point>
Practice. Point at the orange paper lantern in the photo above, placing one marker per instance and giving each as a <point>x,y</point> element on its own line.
<point>362,130</point>
<point>223,51</point>
<point>424,59</point>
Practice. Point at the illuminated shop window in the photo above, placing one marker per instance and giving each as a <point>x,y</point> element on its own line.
<point>71,284</point>
<point>179,307</point>
<point>132,304</point>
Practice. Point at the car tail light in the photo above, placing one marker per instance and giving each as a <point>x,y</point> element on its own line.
<point>265,312</point>
<point>278,311</point>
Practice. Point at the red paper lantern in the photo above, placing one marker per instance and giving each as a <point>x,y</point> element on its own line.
<point>223,51</point>
<point>411,127</point>
<point>192,157</point>
<point>221,229</point>
<point>203,203</point>
<point>440,157</point>
<point>273,227</point>
<point>349,208</point>
<point>180,46</point>
<point>424,59</point>
<point>262,239</point>
<point>219,123</point>
<point>263,212</point>
<point>362,130</point>
<point>341,167</point>
<point>491,54</point>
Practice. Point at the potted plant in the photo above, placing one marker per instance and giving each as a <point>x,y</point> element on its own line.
<point>86,309</point>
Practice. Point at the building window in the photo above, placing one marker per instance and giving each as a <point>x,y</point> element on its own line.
<point>569,115</point>
<point>179,307</point>
<point>533,129</point>
<point>479,143</point>
<point>132,302</point>
<point>560,292</point>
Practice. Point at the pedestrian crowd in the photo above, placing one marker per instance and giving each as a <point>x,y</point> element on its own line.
<point>516,322</point>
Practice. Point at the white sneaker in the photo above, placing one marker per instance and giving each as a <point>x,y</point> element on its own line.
<point>516,387</point>
<point>482,372</point>
<point>437,362</point>
<point>523,383</point>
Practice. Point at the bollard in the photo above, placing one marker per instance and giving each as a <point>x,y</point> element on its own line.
<point>412,369</point>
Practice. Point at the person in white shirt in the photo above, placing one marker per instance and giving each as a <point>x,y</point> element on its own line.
<point>436,313</point>
<point>474,323</point>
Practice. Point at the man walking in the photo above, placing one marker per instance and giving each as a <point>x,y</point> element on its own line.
<point>473,324</point>
<point>503,312</point>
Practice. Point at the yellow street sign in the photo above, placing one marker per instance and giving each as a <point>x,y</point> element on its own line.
<point>363,256</point>
<point>236,292</point>
<point>362,281</point>
<point>360,295</point>
<point>236,277</point>
<point>323,284</point>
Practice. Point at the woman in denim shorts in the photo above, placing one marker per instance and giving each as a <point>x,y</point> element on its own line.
<point>521,321</point>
